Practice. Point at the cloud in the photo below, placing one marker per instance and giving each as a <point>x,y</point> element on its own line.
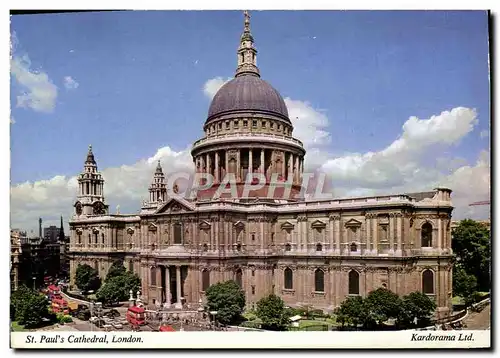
<point>400,163</point>
<point>484,134</point>
<point>126,185</point>
<point>70,83</point>
<point>407,164</point>
<point>38,92</point>
<point>213,85</point>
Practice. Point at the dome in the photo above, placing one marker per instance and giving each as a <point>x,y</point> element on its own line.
<point>247,93</point>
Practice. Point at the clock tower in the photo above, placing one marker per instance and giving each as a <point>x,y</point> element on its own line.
<point>90,199</point>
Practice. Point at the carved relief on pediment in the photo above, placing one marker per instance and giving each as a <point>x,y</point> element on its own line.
<point>239,225</point>
<point>318,224</point>
<point>130,231</point>
<point>353,222</point>
<point>95,230</point>
<point>152,227</point>
<point>287,226</point>
<point>204,225</point>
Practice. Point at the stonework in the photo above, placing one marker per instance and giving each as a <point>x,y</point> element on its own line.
<point>309,252</point>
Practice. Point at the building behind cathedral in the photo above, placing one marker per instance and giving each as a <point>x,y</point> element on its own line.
<point>314,252</point>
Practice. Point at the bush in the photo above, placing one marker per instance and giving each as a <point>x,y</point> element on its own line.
<point>62,318</point>
<point>251,324</point>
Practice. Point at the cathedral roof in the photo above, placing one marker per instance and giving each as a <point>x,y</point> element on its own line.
<point>247,93</point>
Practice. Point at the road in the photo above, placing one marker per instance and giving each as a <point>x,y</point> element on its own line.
<point>480,320</point>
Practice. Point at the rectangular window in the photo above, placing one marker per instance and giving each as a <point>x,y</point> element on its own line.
<point>235,124</point>
<point>254,124</point>
<point>227,125</point>
<point>263,124</point>
<point>245,123</point>
<point>271,125</point>
<point>253,273</point>
<point>177,233</point>
<point>220,125</point>
<point>253,290</point>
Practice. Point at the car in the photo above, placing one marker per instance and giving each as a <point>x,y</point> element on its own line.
<point>117,325</point>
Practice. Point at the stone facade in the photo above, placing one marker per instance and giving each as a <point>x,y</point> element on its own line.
<point>15,252</point>
<point>314,252</point>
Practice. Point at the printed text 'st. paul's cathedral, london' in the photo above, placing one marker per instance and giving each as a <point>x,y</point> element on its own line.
<point>309,252</point>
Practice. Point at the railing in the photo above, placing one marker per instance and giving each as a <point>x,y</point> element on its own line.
<point>258,136</point>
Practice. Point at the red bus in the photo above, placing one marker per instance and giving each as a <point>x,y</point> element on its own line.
<point>166,329</point>
<point>60,305</point>
<point>136,316</point>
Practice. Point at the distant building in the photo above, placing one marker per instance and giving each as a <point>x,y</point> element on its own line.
<point>487,223</point>
<point>51,233</point>
<point>15,252</point>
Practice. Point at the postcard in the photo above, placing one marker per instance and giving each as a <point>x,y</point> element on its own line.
<point>250,179</point>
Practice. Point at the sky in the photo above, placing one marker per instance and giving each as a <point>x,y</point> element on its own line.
<point>384,101</point>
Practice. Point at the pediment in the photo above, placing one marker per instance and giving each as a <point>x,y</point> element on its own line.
<point>239,224</point>
<point>353,222</point>
<point>318,224</point>
<point>174,205</point>
<point>152,227</point>
<point>204,225</point>
<point>287,225</point>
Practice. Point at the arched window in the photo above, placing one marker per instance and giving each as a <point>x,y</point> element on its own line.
<point>428,282</point>
<point>102,238</point>
<point>205,247</point>
<point>353,282</point>
<point>153,276</point>
<point>177,233</point>
<point>288,247</point>
<point>79,238</point>
<point>288,279</point>
<point>238,247</point>
<point>319,247</point>
<point>205,279</point>
<point>426,235</point>
<point>238,277</point>
<point>319,281</point>
<point>354,247</point>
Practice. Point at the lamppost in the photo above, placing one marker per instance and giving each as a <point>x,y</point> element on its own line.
<point>34,280</point>
<point>213,313</point>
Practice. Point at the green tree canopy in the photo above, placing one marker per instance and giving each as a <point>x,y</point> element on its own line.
<point>29,306</point>
<point>416,305</point>
<point>117,288</point>
<point>116,269</point>
<point>87,278</point>
<point>381,305</point>
<point>351,312</point>
<point>472,245</point>
<point>464,284</point>
<point>228,299</point>
<point>271,310</point>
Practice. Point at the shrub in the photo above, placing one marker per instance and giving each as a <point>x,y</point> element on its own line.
<point>251,324</point>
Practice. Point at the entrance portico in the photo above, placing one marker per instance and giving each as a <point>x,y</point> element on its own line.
<point>170,287</point>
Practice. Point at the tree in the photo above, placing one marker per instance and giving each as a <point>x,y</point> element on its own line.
<point>29,307</point>
<point>351,312</point>
<point>472,245</point>
<point>271,310</point>
<point>87,278</point>
<point>228,299</point>
<point>117,288</point>
<point>464,285</point>
<point>416,305</point>
<point>380,306</point>
<point>116,269</point>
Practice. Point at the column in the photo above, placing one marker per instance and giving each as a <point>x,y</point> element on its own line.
<point>330,233</point>
<point>227,161</point>
<point>261,234</point>
<point>391,232</point>
<point>238,165</point>
<point>296,170</point>
<point>368,233</point>
<point>217,229</point>
<point>299,232</point>
<point>208,171</point>
<point>337,235</point>
<point>375,234</point>
<point>399,233</point>
<point>178,304</point>
<point>212,236</point>
<point>262,161</point>
<point>305,242</point>
<point>168,299</point>
<point>217,169</point>
<point>283,165</point>
<point>440,229</point>
<point>301,164</point>
<point>290,166</point>
<point>250,161</point>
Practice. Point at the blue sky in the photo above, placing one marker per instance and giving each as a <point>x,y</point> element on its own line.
<point>141,75</point>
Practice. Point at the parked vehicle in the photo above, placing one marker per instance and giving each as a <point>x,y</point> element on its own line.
<point>136,316</point>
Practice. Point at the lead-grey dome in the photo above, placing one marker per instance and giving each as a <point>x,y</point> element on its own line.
<point>247,93</point>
